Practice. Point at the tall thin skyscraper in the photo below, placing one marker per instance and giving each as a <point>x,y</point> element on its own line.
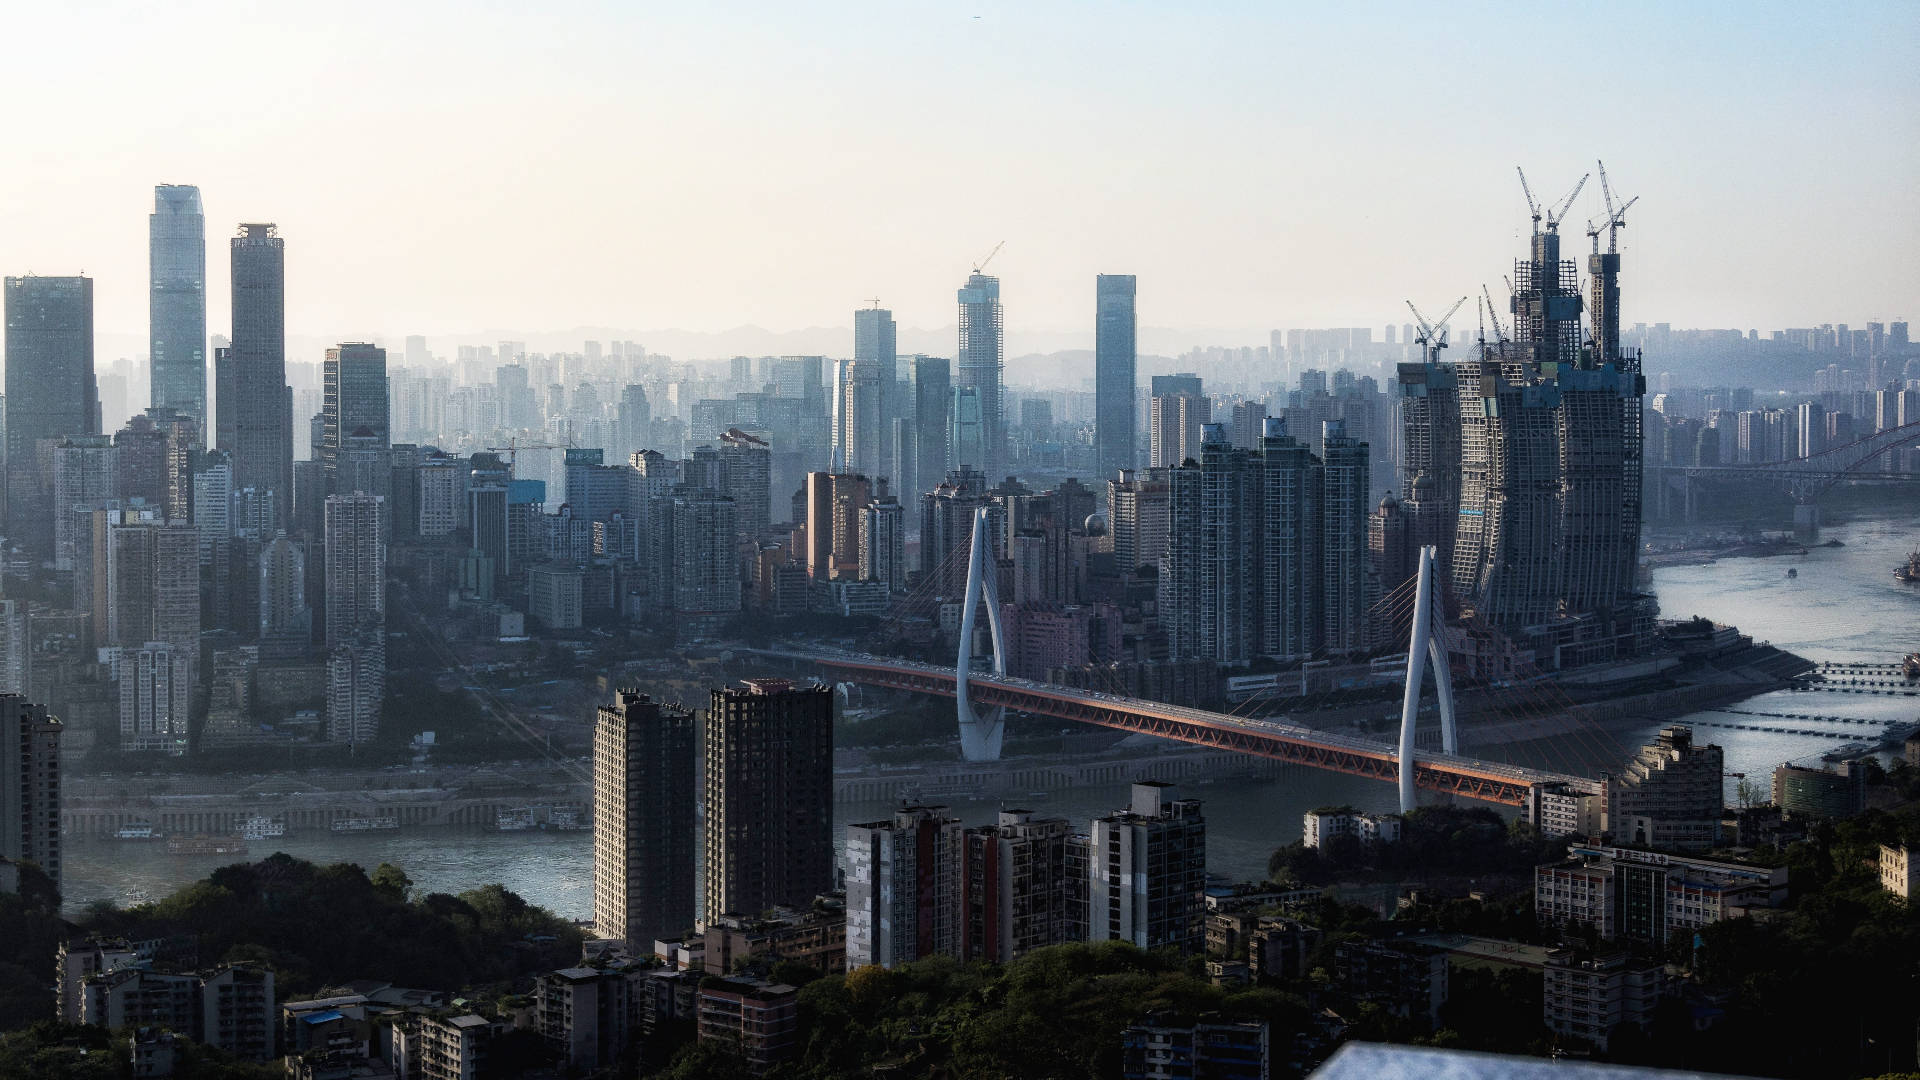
<point>1180,408</point>
<point>29,784</point>
<point>1114,359</point>
<point>932,397</point>
<point>876,361</point>
<point>356,566</point>
<point>50,393</point>
<point>643,827</point>
<point>254,407</point>
<point>981,369</point>
<point>177,299</point>
<point>354,407</point>
<point>768,797</point>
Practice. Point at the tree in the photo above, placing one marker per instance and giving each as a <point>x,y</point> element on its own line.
<point>391,882</point>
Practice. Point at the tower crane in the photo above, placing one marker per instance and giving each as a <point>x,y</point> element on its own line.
<point>1499,332</point>
<point>982,264</point>
<point>1554,219</point>
<point>515,445</point>
<point>1616,215</point>
<point>1433,334</point>
<point>1532,207</point>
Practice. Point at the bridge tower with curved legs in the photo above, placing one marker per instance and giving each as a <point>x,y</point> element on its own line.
<point>1427,642</point>
<point>980,732</point>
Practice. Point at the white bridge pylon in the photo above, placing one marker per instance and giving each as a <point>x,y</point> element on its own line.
<point>1428,641</point>
<point>980,734</point>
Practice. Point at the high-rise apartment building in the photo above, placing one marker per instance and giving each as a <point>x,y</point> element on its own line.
<point>768,798</point>
<point>29,784</point>
<point>286,619</point>
<point>1266,552</point>
<point>355,409</point>
<point>1021,886</point>
<point>980,367</point>
<point>1179,410</point>
<point>1342,574</point>
<point>834,505</point>
<point>50,393</point>
<point>85,478</point>
<point>1137,509</point>
<point>356,567</point>
<point>1114,358</point>
<point>253,405</point>
<point>1147,871</point>
<point>883,543</point>
<point>704,561</point>
<point>177,300</point>
<point>901,889</point>
<point>746,466</point>
<point>153,595</point>
<point>643,819</point>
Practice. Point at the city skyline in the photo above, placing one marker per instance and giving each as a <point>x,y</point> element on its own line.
<point>1287,226</point>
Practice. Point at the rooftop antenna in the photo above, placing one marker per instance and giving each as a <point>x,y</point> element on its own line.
<point>982,264</point>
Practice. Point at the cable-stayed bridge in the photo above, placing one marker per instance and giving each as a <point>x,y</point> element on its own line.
<point>1490,781</point>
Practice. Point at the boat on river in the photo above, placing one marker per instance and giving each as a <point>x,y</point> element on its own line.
<point>1909,571</point>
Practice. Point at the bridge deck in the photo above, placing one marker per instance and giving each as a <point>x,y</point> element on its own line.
<point>1470,777</point>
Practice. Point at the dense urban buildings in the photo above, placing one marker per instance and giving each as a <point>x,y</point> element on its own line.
<point>1147,871</point>
<point>768,798</point>
<point>643,819</point>
<point>177,306</point>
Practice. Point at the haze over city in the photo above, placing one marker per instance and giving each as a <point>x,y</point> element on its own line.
<point>450,170</point>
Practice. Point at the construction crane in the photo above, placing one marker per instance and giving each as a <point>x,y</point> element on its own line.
<point>1433,334</point>
<point>514,446</point>
<point>1554,219</point>
<point>982,264</point>
<point>1499,332</point>
<point>1532,207</point>
<point>1616,215</point>
<point>875,301</point>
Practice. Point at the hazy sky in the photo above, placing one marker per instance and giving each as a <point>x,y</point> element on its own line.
<point>450,168</point>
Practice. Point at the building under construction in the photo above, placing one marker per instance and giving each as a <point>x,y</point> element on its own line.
<point>1543,419</point>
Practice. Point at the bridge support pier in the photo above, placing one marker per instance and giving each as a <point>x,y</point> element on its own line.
<point>1806,518</point>
<point>1427,641</point>
<point>980,734</point>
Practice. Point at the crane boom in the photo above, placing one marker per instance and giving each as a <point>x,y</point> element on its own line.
<point>1553,220</point>
<point>1532,207</point>
<point>982,264</point>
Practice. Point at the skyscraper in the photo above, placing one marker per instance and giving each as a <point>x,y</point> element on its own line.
<point>85,477</point>
<point>254,407</point>
<point>876,359</point>
<point>768,797</point>
<point>1114,358</point>
<point>1341,575</point>
<point>50,393</point>
<point>355,407</point>
<point>29,784</point>
<point>1548,526</point>
<point>980,368</point>
<point>643,821</point>
<point>177,299</point>
<point>932,397</point>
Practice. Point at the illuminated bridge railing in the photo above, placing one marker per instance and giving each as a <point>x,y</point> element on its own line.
<point>1472,778</point>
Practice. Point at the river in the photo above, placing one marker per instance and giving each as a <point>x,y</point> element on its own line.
<point>1844,605</point>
